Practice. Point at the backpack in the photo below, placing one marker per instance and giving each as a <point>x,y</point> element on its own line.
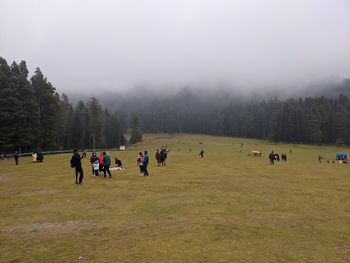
<point>72,162</point>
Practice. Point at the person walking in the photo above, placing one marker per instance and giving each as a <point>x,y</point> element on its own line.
<point>16,156</point>
<point>272,157</point>
<point>75,162</point>
<point>145,163</point>
<point>107,163</point>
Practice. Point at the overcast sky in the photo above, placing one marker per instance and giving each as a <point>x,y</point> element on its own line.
<point>113,45</point>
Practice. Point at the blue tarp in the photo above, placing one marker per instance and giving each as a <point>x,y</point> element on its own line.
<point>341,156</point>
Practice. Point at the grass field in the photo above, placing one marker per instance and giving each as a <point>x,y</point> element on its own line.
<point>226,207</point>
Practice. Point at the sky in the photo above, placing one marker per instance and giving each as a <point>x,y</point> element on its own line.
<point>85,45</point>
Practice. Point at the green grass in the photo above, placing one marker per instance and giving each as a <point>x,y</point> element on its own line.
<point>226,207</point>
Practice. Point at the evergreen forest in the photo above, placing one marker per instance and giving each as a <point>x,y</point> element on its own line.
<point>33,115</point>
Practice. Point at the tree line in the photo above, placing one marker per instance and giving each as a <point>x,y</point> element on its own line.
<point>33,116</point>
<point>310,120</point>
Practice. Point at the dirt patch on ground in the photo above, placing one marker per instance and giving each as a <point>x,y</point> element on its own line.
<point>93,206</point>
<point>4,178</point>
<point>39,193</point>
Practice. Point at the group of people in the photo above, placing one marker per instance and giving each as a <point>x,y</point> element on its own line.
<point>100,164</point>
<point>161,156</point>
<point>37,157</point>
<point>275,157</point>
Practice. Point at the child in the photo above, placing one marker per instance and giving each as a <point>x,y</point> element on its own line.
<point>96,166</point>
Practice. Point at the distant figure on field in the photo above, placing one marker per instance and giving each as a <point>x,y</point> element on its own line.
<point>272,158</point>
<point>34,156</point>
<point>290,151</point>
<point>40,157</point>
<point>277,157</point>
<point>201,154</point>
<point>16,156</point>
<point>145,163</point>
<point>106,163</point>
<point>95,167</point>
<point>93,159</point>
<point>319,158</point>
<point>101,163</point>
<point>75,162</point>
<point>140,163</point>
<point>158,157</point>
<point>118,165</point>
<point>163,156</point>
<point>284,157</point>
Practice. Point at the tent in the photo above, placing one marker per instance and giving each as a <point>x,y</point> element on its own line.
<point>341,156</point>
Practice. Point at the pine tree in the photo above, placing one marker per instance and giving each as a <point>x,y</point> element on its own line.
<point>25,116</point>
<point>315,124</point>
<point>9,106</point>
<point>65,122</point>
<point>47,111</point>
<point>136,134</point>
<point>97,123</point>
<point>80,127</point>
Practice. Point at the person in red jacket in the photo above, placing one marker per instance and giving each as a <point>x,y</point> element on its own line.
<point>101,163</point>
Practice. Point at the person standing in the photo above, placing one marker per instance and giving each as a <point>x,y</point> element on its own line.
<point>272,157</point>
<point>107,163</point>
<point>145,163</point>
<point>201,154</point>
<point>93,159</point>
<point>75,162</point>
<point>95,167</point>
<point>158,157</point>
<point>16,156</point>
<point>140,163</point>
<point>101,163</point>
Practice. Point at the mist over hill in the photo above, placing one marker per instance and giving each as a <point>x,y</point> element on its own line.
<point>141,96</point>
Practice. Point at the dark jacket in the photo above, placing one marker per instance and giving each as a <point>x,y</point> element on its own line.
<point>76,161</point>
<point>145,159</point>
<point>107,160</point>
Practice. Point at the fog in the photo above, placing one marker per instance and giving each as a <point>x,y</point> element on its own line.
<point>107,46</point>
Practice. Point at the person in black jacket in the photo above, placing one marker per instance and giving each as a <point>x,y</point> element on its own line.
<point>75,162</point>
<point>272,158</point>
<point>145,163</point>
<point>93,159</point>
<point>16,155</point>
